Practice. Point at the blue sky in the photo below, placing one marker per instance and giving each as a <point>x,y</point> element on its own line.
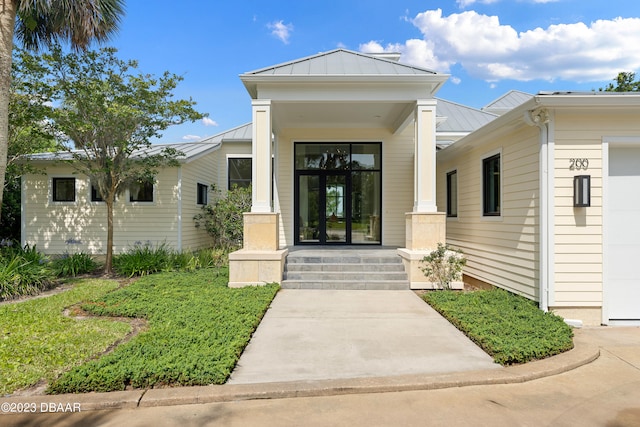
<point>487,46</point>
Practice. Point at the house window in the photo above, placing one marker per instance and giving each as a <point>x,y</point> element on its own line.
<point>239,172</point>
<point>491,186</point>
<point>64,189</point>
<point>95,194</point>
<point>141,192</point>
<point>203,191</point>
<point>452,194</point>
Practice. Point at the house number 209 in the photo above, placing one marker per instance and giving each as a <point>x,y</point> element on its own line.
<point>578,164</point>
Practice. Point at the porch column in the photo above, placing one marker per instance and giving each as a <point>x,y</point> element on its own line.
<point>424,180</point>
<point>260,260</point>
<point>425,226</point>
<point>261,177</point>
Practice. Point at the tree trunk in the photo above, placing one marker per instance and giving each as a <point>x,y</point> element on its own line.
<point>8,10</point>
<point>108,264</point>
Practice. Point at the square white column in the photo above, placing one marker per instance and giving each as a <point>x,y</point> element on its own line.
<point>261,175</point>
<point>425,157</point>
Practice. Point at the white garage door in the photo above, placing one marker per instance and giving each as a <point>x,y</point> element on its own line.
<point>623,234</point>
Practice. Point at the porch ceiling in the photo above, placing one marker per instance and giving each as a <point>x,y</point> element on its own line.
<point>343,114</point>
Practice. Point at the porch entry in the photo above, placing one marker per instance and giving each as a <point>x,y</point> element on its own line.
<point>338,193</point>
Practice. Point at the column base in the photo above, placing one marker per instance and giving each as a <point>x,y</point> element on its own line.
<point>255,268</point>
<point>417,280</point>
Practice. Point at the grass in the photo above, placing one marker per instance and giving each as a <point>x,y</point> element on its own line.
<point>38,342</point>
<point>198,327</point>
<point>510,328</point>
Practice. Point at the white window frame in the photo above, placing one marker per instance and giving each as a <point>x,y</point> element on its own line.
<point>206,201</point>
<point>446,193</point>
<point>143,203</point>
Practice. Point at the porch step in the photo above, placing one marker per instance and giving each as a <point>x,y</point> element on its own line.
<point>355,269</point>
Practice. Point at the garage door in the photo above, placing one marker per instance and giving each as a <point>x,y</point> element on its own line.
<point>623,234</point>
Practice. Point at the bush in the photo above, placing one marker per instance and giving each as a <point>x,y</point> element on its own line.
<point>143,259</point>
<point>23,271</point>
<point>510,328</point>
<point>444,265</point>
<point>71,265</point>
<point>223,218</point>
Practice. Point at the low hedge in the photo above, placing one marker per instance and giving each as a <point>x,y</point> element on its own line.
<point>510,328</point>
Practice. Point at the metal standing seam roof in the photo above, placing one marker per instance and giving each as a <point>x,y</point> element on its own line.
<point>191,150</point>
<point>507,102</point>
<point>239,133</point>
<point>461,118</point>
<point>340,62</point>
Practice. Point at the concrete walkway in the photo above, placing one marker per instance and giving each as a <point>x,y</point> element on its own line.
<point>325,334</point>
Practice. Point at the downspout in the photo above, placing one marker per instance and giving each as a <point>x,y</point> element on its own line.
<point>541,119</point>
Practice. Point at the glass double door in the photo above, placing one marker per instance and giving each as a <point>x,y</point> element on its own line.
<point>330,209</point>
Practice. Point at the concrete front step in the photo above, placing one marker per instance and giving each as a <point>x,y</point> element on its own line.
<point>386,285</point>
<point>344,269</point>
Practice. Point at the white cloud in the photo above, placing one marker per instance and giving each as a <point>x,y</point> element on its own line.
<point>492,51</point>
<point>280,30</point>
<point>191,138</point>
<point>455,80</point>
<point>209,122</point>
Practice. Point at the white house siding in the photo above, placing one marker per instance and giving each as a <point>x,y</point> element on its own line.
<point>52,225</point>
<point>501,251</point>
<point>578,231</point>
<point>199,171</point>
<point>397,176</point>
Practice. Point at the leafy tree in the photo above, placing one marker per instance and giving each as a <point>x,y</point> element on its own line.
<point>625,82</point>
<point>37,23</point>
<point>28,133</point>
<point>105,115</point>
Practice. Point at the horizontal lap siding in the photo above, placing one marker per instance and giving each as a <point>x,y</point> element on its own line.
<point>578,231</point>
<point>50,226</point>
<point>200,171</point>
<point>501,251</point>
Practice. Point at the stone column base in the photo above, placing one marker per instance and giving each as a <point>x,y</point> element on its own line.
<point>417,279</point>
<point>254,268</point>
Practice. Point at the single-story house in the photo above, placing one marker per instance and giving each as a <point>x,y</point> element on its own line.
<point>353,149</point>
<point>62,212</point>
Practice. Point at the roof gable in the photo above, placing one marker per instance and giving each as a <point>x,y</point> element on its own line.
<point>506,102</point>
<point>239,133</point>
<point>340,62</point>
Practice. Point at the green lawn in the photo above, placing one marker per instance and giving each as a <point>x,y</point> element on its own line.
<point>510,328</point>
<point>38,342</point>
<point>198,328</point>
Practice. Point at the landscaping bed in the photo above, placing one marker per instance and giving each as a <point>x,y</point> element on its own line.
<point>510,328</point>
<point>197,330</point>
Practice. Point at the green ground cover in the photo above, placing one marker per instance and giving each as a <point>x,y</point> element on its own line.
<point>38,342</point>
<point>510,328</point>
<point>197,330</point>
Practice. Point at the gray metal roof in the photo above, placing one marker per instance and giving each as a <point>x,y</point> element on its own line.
<point>507,102</point>
<point>460,118</point>
<point>191,151</point>
<point>340,62</point>
<point>240,133</point>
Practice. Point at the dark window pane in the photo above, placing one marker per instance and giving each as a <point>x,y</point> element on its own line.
<point>64,189</point>
<point>95,195</point>
<point>452,194</point>
<point>322,156</point>
<point>365,156</point>
<point>141,192</point>
<point>491,186</point>
<point>239,172</point>
<point>203,191</point>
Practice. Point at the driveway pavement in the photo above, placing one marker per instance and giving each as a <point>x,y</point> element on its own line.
<point>324,334</point>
